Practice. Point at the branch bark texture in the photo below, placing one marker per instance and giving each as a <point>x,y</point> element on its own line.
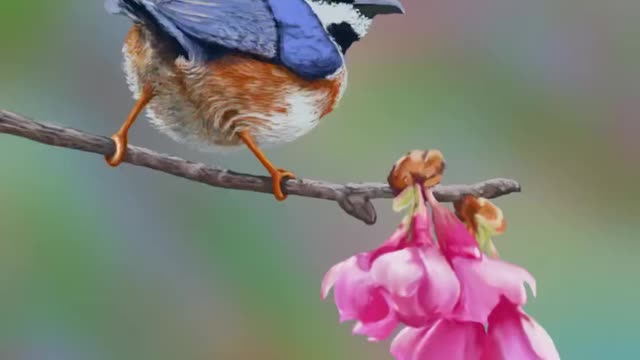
<point>354,198</point>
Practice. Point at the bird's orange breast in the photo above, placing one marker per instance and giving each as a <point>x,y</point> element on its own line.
<point>210,102</point>
<point>263,85</point>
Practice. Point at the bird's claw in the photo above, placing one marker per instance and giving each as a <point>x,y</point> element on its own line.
<point>277,178</point>
<point>121,150</point>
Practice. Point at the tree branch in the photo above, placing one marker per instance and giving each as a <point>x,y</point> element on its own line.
<point>354,198</point>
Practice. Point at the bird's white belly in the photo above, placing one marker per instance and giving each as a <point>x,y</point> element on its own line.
<point>305,108</point>
<point>303,113</point>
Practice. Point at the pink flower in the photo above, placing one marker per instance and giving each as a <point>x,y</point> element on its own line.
<point>491,293</point>
<point>515,335</point>
<point>444,292</point>
<point>406,279</point>
<point>455,297</point>
<point>483,280</point>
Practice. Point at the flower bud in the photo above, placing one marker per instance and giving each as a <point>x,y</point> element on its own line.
<point>483,220</point>
<point>417,167</point>
<point>476,212</point>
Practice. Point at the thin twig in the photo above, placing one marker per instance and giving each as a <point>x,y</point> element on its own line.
<point>354,198</point>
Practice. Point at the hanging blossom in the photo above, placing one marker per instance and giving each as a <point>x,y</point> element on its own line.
<point>492,294</point>
<point>455,297</point>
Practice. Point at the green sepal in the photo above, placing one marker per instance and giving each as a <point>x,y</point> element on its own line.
<point>405,199</point>
<point>483,237</point>
<point>485,243</point>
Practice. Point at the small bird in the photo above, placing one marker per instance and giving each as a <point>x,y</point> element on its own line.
<point>223,73</point>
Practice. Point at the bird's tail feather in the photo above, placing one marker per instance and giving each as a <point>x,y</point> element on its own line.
<point>135,9</point>
<point>113,6</point>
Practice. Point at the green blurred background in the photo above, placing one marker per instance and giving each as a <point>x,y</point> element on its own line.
<point>97,263</point>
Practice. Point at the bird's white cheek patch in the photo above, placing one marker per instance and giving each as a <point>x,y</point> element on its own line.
<point>336,13</point>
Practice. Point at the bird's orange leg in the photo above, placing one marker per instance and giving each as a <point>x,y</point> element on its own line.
<point>121,137</point>
<point>277,175</point>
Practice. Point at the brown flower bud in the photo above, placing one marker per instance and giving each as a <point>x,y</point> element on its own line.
<point>418,166</point>
<point>472,211</point>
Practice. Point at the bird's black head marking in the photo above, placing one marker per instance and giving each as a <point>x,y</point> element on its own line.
<point>348,21</point>
<point>343,34</point>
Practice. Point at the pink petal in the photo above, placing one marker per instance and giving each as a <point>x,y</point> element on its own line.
<point>399,272</point>
<point>377,330</point>
<point>451,340</point>
<point>404,345</point>
<point>484,281</point>
<point>453,236</point>
<point>515,335</point>
<point>420,283</point>
<point>411,312</point>
<point>441,289</point>
<point>357,296</point>
<point>332,275</point>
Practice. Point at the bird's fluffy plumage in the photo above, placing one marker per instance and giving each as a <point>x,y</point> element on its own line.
<point>205,105</point>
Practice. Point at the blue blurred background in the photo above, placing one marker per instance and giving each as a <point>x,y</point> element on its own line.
<point>97,263</point>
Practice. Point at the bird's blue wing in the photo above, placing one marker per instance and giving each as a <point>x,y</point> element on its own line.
<point>245,25</point>
<point>305,46</point>
<point>282,30</point>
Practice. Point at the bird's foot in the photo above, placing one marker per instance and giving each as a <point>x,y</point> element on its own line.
<point>277,176</point>
<point>121,150</point>
<point>121,137</point>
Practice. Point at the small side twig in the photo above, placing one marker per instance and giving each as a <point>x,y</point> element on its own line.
<point>354,198</point>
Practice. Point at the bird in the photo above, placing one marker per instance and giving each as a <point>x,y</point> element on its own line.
<point>223,74</point>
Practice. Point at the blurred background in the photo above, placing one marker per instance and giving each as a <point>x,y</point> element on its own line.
<point>99,263</point>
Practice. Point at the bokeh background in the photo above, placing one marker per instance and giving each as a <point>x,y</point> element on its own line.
<point>97,263</point>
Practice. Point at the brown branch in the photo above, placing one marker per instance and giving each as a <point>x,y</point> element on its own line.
<point>355,198</point>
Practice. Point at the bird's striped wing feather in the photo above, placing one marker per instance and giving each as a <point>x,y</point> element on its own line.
<point>245,25</point>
